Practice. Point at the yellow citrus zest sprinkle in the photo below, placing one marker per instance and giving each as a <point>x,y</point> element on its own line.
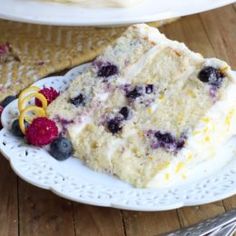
<point>229,117</point>
<point>180,117</point>
<point>190,157</point>
<point>161,97</point>
<point>179,166</point>
<point>163,165</point>
<point>40,112</point>
<point>167,176</point>
<point>149,110</point>
<point>196,132</point>
<point>40,96</point>
<point>207,139</point>
<point>224,69</point>
<point>190,93</point>
<point>140,134</point>
<point>27,91</point>
<point>206,119</point>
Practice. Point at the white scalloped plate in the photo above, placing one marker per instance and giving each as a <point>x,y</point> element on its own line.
<point>72,180</point>
<point>46,12</point>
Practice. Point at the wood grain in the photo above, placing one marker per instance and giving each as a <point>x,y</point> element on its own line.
<point>220,26</point>
<point>190,31</point>
<point>43,213</point>
<point>40,212</point>
<point>8,200</point>
<point>230,203</point>
<point>91,221</point>
<point>192,215</point>
<point>141,223</point>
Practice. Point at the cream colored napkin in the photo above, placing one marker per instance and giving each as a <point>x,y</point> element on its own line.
<point>29,52</point>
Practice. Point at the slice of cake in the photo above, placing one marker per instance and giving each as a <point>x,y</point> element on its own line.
<point>148,109</point>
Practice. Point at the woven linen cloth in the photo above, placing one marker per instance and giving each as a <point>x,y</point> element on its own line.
<point>29,52</point>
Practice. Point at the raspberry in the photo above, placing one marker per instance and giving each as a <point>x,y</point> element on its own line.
<point>49,93</point>
<point>1,110</point>
<point>42,131</point>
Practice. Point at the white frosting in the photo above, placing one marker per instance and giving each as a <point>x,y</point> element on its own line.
<point>102,96</point>
<point>103,3</point>
<point>136,68</point>
<point>202,153</point>
<point>75,130</point>
<point>154,35</point>
<point>115,144</point>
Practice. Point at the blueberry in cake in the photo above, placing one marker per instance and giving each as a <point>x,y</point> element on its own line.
<point>147,109</point>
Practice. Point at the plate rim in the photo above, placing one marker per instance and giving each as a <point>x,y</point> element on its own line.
<point>111,21</point>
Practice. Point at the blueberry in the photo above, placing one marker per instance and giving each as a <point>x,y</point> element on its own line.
<point>114,125</point>
<point>211,75</point>
<point>164,138</point>
<point>61,149</point>
<point>135,93</point>
<point>107,71</point>
<point>15,128</point>
<point>77,101</point>
<point>149,89</point>
<point>180,144</point>
<point>7,100</point>
<point>167,141</point>
<point>124,111</point>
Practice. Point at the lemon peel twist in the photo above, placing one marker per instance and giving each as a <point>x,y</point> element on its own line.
<point>41,97</point>
<point>25,96</point>
<point>38,111</point>
<point>25,92</point>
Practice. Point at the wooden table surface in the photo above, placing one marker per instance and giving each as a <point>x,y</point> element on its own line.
<point>29,211</point>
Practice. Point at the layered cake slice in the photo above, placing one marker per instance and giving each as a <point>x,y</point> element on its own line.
<point>148,109</point>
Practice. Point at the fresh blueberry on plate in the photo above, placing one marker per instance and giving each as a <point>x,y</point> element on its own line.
<point>7,101</point>
<point>61,149</point>
<point>15,128</point>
